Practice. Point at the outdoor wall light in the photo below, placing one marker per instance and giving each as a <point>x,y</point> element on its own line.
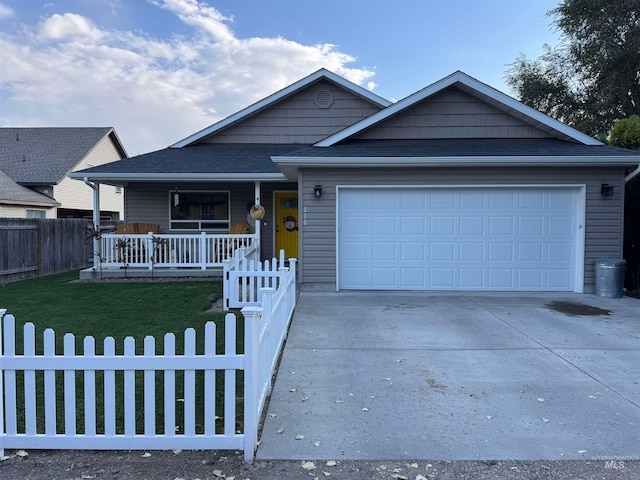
<point>606,190</point>
<point>317,191</point>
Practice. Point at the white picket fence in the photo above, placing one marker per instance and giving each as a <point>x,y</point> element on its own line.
<point>244,277</point>
<point>113,426</point>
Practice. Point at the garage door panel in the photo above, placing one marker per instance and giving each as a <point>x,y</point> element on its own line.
<point>471,225</point>
<point>413,225</point>
<point>412,251</point>
<point>442,226</point>
<point>499,251</point>
<point>384,225</point>
<point>442,277</point>
<point>531,200</point>
<point>448,238</point>
<point>413,200</point>
<point>530,252</point>
<point>559,226</point>
<point>529,278</point>
<point>500,225</point>
<point>471,252</point>
<point>559,252</point>
<point>472,278</point>
<point>441,200</point>
<point>499,199</point>
<point>385,276</point>
<point>384,251</point>
<point>531,225</point>
<point>441,251</point>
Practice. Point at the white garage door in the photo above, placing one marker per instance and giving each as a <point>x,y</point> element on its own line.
<point>457,238</point>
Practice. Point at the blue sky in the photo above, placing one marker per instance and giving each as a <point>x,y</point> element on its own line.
<point>159,70</point>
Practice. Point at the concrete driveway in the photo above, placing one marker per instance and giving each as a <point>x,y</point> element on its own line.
<point>457,376</point>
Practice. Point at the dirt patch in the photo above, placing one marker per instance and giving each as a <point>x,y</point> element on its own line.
<point>575,309</point>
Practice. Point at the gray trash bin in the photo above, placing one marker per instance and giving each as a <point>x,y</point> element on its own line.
<point>610,277</point>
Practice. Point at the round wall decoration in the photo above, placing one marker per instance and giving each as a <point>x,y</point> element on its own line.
<point>257,212</point>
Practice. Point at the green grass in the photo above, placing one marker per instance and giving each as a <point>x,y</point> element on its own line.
<point>118,310</point>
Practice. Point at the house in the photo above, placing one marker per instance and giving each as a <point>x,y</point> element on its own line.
<point>456,187</point>
<point>34,168</point>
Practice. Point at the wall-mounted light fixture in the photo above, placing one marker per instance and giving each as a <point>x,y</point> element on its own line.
<point>176,199</point>
<point>317,191</point>
<point>606,190</point>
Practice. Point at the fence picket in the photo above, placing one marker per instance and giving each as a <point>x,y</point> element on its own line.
<point>189,384</point>
<point>69,387</point>
<point>89,389</point>
<point>210,380</point>
<point>49,385</point>
<point>109,390</point>
<point>230,376</point>
<point>30,381</point>
<point>129,390</point>
<point>169,387</point>
<point>149,389</point>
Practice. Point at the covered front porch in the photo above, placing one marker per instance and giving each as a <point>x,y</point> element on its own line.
<point>147,248</point>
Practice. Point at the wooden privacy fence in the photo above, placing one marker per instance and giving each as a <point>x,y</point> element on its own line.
<point>103,394</point>
<point>243,278</point>
<point>33,246</point>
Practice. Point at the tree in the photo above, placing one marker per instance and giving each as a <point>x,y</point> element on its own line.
<point>626,133</point>
<point>593,76</point>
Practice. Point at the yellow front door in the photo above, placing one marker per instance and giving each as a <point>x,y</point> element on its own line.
<point>286,222</point>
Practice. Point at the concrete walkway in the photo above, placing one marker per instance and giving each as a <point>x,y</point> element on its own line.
<point>457,376</point>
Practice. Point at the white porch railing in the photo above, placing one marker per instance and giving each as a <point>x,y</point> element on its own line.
<point>27,376</point>
<point>160,250</point>
<point>243,277</point>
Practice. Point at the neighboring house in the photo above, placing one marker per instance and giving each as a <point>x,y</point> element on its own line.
<point>17,201</point>
<point>34,168</point>
<point>456,187</point>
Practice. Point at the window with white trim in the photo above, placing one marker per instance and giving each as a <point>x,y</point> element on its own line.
<point>33,213</point>
<point>193,210</point>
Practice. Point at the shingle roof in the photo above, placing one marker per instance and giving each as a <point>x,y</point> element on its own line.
<point>201,158</point>
<point>44,156</point>
<point>461,147</point>
<point>11,192</point>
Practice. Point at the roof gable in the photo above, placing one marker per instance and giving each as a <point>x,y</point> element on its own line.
<point>476,89</point>
<point>292,90</point>
<point>44,156</point>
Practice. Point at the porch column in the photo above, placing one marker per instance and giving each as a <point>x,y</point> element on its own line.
<point>96,221</point>
<point>258,223</point>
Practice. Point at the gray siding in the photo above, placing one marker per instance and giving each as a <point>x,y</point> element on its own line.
<point>298,119</point>
<point>150,204</point>
<point>604,216</point>
<point>452,114</point>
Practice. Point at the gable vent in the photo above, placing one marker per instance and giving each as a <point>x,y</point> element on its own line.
<point>324,99</point>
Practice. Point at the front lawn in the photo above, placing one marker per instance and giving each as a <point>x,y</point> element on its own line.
<point>118,309</point>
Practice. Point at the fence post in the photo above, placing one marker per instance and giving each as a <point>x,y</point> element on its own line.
<point>2,312</point>
<point>203,251</point>
<point>149,242</point>
<point>252,320</point>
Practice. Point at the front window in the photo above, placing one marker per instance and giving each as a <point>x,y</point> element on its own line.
<point>199,210</point>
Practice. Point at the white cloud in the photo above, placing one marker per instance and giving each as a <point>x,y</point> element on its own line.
<point>69,25</point>
<point>5,11</point>
<point>153,91</point>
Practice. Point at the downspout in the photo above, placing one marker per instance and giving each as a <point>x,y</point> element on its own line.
<point>632,174</point>
<point>96,222</point>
